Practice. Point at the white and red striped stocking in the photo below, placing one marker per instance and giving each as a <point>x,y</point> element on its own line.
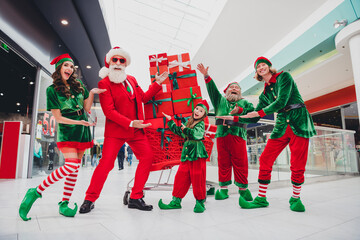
<point>262,190</point>
<point>71,165</point>
<point>296,191</point>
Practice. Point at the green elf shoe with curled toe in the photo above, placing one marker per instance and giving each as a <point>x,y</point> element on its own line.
<point>65,210</point>
<point>199,206</point>
<point>174,204</point>
<point>246,194</point>
<point>296,205</point>
<point>211,191</point>
<point>259,202</point>
<point>221,194</point>
<point>26,204</point>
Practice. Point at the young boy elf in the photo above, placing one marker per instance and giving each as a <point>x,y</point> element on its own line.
<point>192,169</point>
<point>294,126</point>
<point>230,136</point>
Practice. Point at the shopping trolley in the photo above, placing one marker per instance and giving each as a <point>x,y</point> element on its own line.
<point>167,148</point>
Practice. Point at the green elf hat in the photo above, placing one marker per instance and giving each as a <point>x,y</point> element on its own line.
<point>204,105</point>
<point>262,60</point>
<point>60,59</point>
<point>230,85</point>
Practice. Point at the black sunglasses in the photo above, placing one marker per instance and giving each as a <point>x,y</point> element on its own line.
<point>122,60</point>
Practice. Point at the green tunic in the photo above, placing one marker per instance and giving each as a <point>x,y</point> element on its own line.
<point>78,134</point>
<point>280,93</point>
<point>193,148</point>
<point>223,107</point>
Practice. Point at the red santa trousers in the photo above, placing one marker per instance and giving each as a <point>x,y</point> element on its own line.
<point>142,150</point>
<point>191,172</point>
<point>299,152</point>
<point>232,154</point>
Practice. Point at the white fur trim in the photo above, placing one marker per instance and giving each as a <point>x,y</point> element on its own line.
<point>120,52</point>
<point>104,72</point>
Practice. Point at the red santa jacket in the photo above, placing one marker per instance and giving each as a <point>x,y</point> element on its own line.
<point>115,104</point>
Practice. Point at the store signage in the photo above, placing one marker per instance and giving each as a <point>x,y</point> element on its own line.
<point>4,47</point>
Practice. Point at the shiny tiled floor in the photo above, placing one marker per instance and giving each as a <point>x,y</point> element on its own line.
<point>332,212</point>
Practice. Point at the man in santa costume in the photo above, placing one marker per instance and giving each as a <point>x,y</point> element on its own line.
<point>122,107</point>
<point>294,126</point>
<point>230,136</point>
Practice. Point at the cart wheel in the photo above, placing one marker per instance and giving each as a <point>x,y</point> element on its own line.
<point>126,198</point>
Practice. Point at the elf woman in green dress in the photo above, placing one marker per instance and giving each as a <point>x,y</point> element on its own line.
<point>68,99</point>
<point>192,169</point>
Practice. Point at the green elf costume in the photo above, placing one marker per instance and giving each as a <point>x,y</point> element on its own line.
<point>230,140</point>
<point>192,168</point>
<point>293,126</point>
<point>68,135</point>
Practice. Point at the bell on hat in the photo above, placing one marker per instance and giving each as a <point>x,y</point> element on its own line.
<point>60,59</point>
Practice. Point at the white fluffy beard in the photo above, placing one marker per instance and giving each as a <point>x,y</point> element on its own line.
<point>117,76</point>
<point>232,97</point>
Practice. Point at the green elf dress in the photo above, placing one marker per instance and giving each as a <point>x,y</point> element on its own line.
<point>69,135</point>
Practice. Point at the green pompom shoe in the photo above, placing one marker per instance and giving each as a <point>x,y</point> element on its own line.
<point>199,206</point>
<point>65,210</point>
<point>246,194</point>
<point>26,204</point>
<point>259,202</point>
<point>221,194</point>
<point>174,204</point>
<point>296,205</point>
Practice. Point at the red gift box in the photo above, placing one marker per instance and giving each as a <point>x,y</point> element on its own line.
<point>179,63</point>
<point>183,79</point>
<point>157,123</point>
<point>182,118</point>
<point>160,70</point>
<point>185,99</point>
<point>158,60</point>
<point>161,102</point>
<point>210,130</point>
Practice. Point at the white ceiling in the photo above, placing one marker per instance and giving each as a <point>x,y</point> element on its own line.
<point>225,35</point>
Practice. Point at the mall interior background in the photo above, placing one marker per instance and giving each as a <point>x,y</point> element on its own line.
<point>223,34</point>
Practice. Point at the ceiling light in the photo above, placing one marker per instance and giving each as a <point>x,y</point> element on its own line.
<point>88,66</point>
<point>64,22</point>
<point>1,94</point>
<point>343,22</point>
<point>18,110</point>
<point>76,66</point>
<point>18,104</point>
<point>31,83</point>
<point>23,77</point>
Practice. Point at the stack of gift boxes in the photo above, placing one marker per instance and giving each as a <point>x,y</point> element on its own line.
<point>179,95</point>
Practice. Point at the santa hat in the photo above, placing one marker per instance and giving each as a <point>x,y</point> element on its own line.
<point>204,105</point>
<point>229,86</point>
<point>60,59</point>
<point>262,60</point>
<point>113,52</point>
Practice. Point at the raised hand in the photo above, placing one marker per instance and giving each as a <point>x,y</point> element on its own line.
<point>139,124</point>
<point>168,117</point>
<point>182,126</point>
<point>202,69</point>
<point>161,78</point>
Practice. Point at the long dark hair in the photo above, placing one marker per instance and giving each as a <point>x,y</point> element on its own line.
<point>192,121</point>
<point>60,85</point>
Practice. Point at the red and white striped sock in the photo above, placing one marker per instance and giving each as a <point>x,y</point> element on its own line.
<point>69,185</point>
<point>71,165</point>
<point>262,190</point>
<point>296,191</point>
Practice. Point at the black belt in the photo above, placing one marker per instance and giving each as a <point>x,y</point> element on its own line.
<point>229,123</point>
<point>78,113</point>
<point>290,107</point>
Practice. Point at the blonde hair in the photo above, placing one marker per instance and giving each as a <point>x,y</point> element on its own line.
<point>259,78</point>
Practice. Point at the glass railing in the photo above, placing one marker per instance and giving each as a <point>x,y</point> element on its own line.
<point>331,151</point>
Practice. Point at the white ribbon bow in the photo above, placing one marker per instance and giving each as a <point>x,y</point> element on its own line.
<point>157,59</point>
